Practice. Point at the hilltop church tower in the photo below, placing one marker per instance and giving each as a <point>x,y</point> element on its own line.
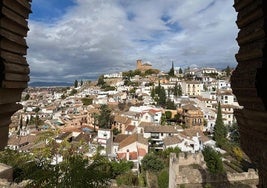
<point>139,64</point>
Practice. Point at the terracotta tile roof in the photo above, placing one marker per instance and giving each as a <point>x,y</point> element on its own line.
<point>143,124</point>
<point>170,140</point>
<point>21,140</point>
<point>121,156</point>
<point>120,119</point>
<point>64,135</point>
<point>141,152</point>
<point>193,132</point>
<point>82,137</point>
<point>132,155</point>
<point>131,139</point>
<point>130,128</point>
<point>120,137</point>
<point>160,129</point>
<point>189,107</point>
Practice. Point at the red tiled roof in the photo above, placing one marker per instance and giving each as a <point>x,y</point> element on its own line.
<point>130,128</point>
<point>133,138</point>
<point>141,152</point>
<point>120,137</point>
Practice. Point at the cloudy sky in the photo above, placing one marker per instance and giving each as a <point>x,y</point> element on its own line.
<point>82,39</point>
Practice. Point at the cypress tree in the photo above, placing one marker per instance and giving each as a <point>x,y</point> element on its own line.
<point>220,130</point>
<point>75,83</point>
<point>171,72</point>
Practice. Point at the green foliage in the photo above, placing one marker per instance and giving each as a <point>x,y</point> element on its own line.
<point>101,80</point>
<point>234,134</point>
<point>18,161</point>
<point>108,88</point>
<point>238,153</point>
<point>73,92</point>
<point>163,119</point>
<point>116,131</point>
<point>180,71</point>
<point>120,167</point>
<point>75,84</point>
<point>73,171</point>
<point>228,71</point>
<point>152,163</point>
<point>161,95</point>
<point>163,179</point>
<point>128,178</point>
<point>151,71</point>
<point>105,118</point>
<point>27,96</point>
<point>87,101</point>
<point>171,72</point>
<point>165,154</point>
<point>153,92</point>
<point>63,96</point>
<point>213,160</point>
<point>170,104</point>
<point>168,114</point>
<point>177,90</point>
<point>220,130</point>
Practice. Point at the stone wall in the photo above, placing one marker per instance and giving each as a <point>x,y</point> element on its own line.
<point>180,173</point>
<point>14,68</point>
<point>197,176</point>
<point>249,81</point>
<point>6,172</point>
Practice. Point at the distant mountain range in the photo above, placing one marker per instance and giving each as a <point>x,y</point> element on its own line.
<point>50,84</point>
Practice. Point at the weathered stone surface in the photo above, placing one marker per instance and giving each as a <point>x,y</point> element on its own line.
<point>249,82</point>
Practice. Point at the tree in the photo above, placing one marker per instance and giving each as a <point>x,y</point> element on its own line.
<point>163,119</point>
<point>37,120</point>
<point>152,92</point>
<point>152,163</point>
<point>177,90</point>
<point>213,160</point>
<point>129,179</point>
<point>180,71</point>
<point>73,171</point>
<point>101,80</point>
<point>171,72</point>
<point>234,134</point>
<point>27,96</point>
<point>220,131</point>
<point>105,118</point>
<point>87,101</point>
<point>120,167</point>
<point>170,104</point>
<point>73,92</point>
<point>228,71</point>
<point>168,115</point>
<point>163,179</point>
<point>75,84</point>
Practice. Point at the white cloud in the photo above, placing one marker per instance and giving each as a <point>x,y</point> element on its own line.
<point>96,37</point>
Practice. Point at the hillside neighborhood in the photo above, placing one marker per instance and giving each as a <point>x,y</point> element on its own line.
<point>126,115</point>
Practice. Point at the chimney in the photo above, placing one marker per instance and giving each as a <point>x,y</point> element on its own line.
<point>127,155</point>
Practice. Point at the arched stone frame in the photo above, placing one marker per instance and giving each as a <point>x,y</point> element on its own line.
<point>249,80</point>
<point>14,68</point>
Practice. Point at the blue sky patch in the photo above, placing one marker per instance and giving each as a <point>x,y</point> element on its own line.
<point>173,26</point>
<point>49,10</point>
<point>130,16</point>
